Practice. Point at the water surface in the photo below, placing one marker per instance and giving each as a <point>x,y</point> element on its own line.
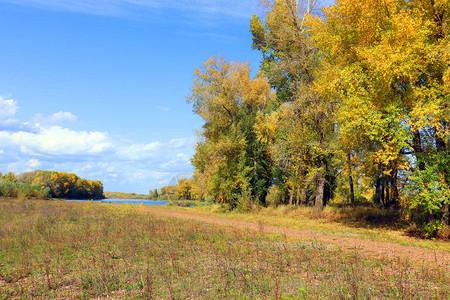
<point>124,201</point>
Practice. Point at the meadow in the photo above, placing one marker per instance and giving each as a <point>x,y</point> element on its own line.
<point>89,250</point>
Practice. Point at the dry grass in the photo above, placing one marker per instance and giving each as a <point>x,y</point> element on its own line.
<point>87,250</point>
<point>360,222</point>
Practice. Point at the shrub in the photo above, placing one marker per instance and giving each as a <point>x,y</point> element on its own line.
<point>426,197</point>
<point>30,191</point>
<point>274,197</point>
<point>22,190</point>
<point>8,188</point>
<point>246,202</point>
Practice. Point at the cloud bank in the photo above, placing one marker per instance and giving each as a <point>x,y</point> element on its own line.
<point>44,143</point>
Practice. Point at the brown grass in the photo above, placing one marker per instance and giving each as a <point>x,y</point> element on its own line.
<point>75,250</point>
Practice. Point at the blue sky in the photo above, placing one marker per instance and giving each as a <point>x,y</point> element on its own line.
<point>98,87</point>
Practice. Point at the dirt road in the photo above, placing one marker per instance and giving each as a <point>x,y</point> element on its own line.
<point>363,246</point>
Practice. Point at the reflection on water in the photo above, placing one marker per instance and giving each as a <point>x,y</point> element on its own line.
<point>124,201</point>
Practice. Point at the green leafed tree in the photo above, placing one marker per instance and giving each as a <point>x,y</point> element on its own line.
<point>304,137</point>
<point>230,161</point>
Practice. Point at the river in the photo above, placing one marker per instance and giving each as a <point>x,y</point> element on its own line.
<point>124,201</point>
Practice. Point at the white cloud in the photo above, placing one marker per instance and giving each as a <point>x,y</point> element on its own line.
<point>140,151</point>
<point>8,109</point>
<point>63,116</point>
<point>138,175</point>
<point>58,141</point>
<point>54,119</point>
<point>2,152</point>
<point>87,167</point>
<point>182,156</point>
<point>33,163</point>
<point>182,142</point>
<point>102,165</point>
<point>159,175</point>
<point>162,108</point>
<point>12,167</point>
<point>180,159</point>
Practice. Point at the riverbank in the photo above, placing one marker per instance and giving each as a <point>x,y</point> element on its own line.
<point>83,250</point>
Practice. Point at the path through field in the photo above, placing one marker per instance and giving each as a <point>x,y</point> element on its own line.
<point>363,246</point>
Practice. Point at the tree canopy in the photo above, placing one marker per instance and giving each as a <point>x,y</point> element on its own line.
<point>351,104</point>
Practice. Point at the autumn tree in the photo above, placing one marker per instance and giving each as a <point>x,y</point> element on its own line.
<point>153,194</point>
<point>10,176</point>
<point>388,63</point>
<point>305,131</point>
<point>230,161</point>
<point>64,185</point>
<point>167,192</point>
<point>183,189</point>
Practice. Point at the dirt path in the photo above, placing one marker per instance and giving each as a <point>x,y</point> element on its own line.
<point>366,247</point>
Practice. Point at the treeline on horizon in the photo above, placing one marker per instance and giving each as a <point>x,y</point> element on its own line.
<point>350,105</point>
<point>49,184</point>
<point>119,195</point>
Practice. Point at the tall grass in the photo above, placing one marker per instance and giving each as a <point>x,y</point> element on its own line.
<point>76,250</point>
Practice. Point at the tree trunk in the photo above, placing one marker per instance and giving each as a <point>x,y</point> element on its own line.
<point>395,194</point>
<point>352,192</point>
<point>446,216</point>
<point>440,142</point>
<point>378,190</point>
<point>318,206</point>
<point>418,150</point>
<point>320,193</point>
<point>386,191</point>
<point>291,197</point>
<point>350,180</point>
<point>303,195</point>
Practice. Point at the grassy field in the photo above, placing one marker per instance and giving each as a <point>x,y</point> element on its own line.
<point>360,222</point>
<point>89,250</point>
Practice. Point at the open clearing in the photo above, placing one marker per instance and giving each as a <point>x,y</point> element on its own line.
<point>364,246</point>
<point>88,250</point>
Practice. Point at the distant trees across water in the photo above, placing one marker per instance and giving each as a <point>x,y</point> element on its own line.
<point>49,184</point>
<point>181,191</point>
<point>118,195</point>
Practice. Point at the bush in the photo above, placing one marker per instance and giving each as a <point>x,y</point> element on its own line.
<point>245,201</point>
<point>22,190</point>
<point>8,189</point>
<point>32,191</point>
<point>426,197</point>
<point>274,197</point>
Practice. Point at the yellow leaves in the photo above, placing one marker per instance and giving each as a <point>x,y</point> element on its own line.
<point>446,80</point>
<point>258,32</point>
<point>266,126</point>
<point>281,22</point>
<point>257,92</point>
<point>387,173</point>
<point>222,88</point>
<point>425,114</point>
